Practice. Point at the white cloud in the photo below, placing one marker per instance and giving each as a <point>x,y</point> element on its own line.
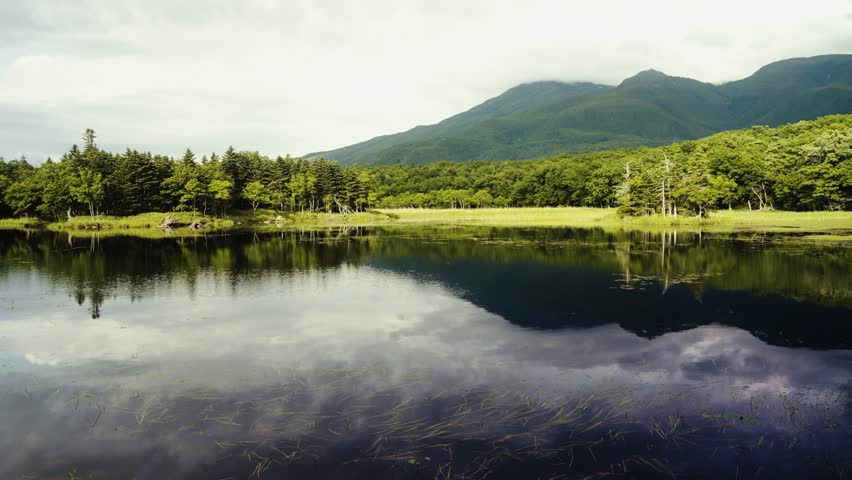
<point>303,75</point>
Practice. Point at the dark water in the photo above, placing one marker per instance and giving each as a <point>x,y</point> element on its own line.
<point>434,354</point>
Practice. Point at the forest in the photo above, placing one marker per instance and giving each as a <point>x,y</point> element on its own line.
<point>801,166</point>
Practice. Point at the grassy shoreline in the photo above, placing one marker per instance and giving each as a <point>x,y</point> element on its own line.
<point>150,224</point>
<point>722,220</point>
<point>834,225</point>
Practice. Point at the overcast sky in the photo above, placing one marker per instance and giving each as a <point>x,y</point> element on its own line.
<point>295,76</point>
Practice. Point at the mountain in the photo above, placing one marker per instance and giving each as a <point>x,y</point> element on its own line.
<point>650,108</point>
<point>792,90</point>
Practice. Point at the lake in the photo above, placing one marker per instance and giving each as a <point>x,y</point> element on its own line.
<point>425,353</point>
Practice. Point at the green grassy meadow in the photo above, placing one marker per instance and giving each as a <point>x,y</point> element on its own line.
<point>722,220</point>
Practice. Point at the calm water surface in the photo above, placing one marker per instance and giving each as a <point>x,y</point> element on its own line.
<point>444,353</point>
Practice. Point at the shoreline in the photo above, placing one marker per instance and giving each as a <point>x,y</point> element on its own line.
<point>836,224</point>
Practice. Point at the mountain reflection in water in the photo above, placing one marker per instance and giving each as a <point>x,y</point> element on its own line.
<point>457,353</point>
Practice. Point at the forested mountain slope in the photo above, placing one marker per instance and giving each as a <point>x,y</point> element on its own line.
<point>650,108</point>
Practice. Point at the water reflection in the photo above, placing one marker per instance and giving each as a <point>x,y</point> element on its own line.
<point>434,354</point>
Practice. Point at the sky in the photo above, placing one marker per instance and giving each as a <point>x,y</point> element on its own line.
<point>296,76</point>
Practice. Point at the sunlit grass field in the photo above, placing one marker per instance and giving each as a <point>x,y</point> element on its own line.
<point>607,217</point>
<point>144,220</point>
<point>777,220</point>
<point>567,216</point>
<point>20,223</point>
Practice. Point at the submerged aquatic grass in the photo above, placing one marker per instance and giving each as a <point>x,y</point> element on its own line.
<point>354,419</point>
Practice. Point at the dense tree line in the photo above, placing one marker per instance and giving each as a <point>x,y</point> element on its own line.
<point>802,166</point>
<point>93,181</point>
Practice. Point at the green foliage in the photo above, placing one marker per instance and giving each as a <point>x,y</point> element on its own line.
<point>102,183</point>
<point>194,192</point>
<point>88,188</point>
<point>220,191</point>
<point>257,194</point>
<point>74,474</point>
<point>802,166</point>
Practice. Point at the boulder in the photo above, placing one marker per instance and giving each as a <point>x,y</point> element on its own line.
<point>169,222</point>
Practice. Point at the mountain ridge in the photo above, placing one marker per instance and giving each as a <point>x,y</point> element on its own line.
<point>650,108</point>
